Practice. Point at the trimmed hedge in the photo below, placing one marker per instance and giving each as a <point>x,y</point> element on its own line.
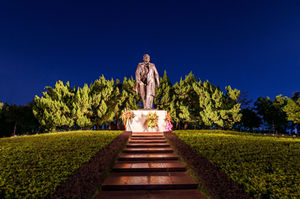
<point>214,182</point>
<point>33,166</point>
<point>265,166</point>
<point>86,181</point>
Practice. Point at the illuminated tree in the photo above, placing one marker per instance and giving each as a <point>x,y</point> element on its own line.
<point>82,109</point>
<point>130,100</point>
<point>54,108</point>
<point>163,94</point>
<point>104,102</point>
<point>216,108</point>
<point>292,108</point>
<point>184,104</point>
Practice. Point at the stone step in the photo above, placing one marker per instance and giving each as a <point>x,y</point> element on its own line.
<point>141,136</point>
<point>147,138</point>
<point>149,180</point>
<point>148,145</point>
<point>147,135</point>
<point>148,150</point>
<point>147,157</point>
<point>151,194</point>
<point>147,161</point>
<point>149,167</point>
<point>146,141</point>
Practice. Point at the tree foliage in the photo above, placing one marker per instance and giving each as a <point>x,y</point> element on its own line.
<point>15,120</point>
<point>217,108</point>
<point>183,107</point>
<point>250,119</point>
<point>82,108</point>
<point>129,99</point>
<point>99,104</point>
<point>164,94</point>
<point>54,108</point>
<point>272,112</point>
<point>292,108</point>
<point>189,101</point>
<point>104,99</point>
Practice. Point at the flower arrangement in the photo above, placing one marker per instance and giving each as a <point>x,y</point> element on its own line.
<point>152,120</point>
<point>168,119</point>
<point>127,115</point>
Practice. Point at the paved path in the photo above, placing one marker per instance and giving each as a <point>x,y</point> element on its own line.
<point>148,168</point>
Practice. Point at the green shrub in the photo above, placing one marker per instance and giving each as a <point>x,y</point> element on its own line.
<point>33,166</point>
<point>265,166</point>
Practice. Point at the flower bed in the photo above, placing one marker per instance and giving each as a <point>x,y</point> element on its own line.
<point>34,166</point>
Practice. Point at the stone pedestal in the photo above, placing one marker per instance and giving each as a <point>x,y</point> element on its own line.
<point>139,122</point>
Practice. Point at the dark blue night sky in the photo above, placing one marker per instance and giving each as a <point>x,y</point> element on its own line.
<point>251,45</point>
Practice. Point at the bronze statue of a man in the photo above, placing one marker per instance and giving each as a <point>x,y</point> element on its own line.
<point>146,77</point>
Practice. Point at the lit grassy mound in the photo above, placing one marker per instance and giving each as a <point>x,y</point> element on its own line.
<point>33,166</point>
<point>265,166</point>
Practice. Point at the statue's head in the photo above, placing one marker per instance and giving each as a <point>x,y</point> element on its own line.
<point>146,58</point>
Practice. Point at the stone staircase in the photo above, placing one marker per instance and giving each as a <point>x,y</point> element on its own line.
<point>148,163</point>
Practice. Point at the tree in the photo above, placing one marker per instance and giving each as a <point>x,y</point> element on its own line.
<point>130,100</point>
<point>163,94</point>
<point>231,113</point>
<point>216,108</point>
<point>82,109</point>
<point>272,112</point>
<point>184,104</point>
<point>17,120</point>
<point>103,95</point>
<point>243,99</point>
<point>292,108</point>
<point>54,108</point>
<point>113,105</point>
<point>13,114</point>
<point>127,99</point>
<point>206,91</point>
<point>250,119</point>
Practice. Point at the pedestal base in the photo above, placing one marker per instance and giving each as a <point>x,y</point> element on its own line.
<point>139,122</point>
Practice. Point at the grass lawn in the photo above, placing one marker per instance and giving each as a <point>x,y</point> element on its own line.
<point>265,166</point>
<point>33,166</point>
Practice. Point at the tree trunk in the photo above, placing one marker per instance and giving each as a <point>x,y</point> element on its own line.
<point>185,126</point>
<point>118,124</point>
<point>15,129</point>
<point>177,125</point>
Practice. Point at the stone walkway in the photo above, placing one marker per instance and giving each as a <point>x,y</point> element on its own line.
<point>148,168</point>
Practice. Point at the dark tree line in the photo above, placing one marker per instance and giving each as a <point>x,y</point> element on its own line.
<point>276,113</point>
<point>16,120</point>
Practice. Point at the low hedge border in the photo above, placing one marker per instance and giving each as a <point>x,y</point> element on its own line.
<point>87,179</point>
<point>213,179</point>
